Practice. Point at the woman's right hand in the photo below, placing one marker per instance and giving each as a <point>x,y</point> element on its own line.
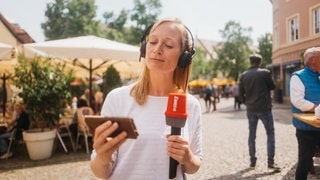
<point>103,144</point>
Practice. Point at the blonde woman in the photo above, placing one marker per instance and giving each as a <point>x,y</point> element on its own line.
<point>167,49</point>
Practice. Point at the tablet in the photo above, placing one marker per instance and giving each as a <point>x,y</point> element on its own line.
<point>125,124</point>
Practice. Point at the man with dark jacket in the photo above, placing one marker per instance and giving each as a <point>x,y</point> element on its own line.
<point>254,91</point>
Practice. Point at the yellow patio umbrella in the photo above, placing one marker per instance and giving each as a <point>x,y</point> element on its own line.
<point>198,82</point>
<point>222,81</point>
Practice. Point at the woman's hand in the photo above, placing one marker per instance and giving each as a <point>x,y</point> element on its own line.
<point>178,149</point>
<point>105,146</point>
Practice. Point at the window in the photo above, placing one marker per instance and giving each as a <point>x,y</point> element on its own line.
<point>293,29</point>
<point>316,20</point>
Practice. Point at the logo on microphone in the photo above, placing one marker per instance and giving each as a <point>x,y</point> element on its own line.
<point>175,103</point>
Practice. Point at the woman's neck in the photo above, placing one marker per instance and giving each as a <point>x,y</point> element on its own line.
<point>161,86</point>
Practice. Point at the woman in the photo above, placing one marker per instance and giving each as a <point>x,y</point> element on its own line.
<point>168,52</point>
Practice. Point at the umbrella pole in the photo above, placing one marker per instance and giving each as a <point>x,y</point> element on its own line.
<point>4,95</point>
<point>90,84</point>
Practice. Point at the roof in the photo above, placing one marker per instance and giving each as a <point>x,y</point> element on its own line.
<point>20,34</point>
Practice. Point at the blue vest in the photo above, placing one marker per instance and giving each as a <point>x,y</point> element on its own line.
<point>312,93</point>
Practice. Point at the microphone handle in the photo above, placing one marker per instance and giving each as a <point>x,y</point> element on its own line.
<point>173,164</point>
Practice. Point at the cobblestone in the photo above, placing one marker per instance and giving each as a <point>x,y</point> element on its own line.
<point>225,133</point>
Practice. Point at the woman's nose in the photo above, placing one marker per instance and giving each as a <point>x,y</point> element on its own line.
<point>158,49</point>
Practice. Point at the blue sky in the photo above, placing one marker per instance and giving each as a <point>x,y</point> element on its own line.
<point>203,17</point>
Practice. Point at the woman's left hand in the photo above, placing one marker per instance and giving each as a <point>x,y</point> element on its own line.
<point>178,149</point>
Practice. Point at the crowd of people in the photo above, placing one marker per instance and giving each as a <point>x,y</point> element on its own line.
<point>212,93</point>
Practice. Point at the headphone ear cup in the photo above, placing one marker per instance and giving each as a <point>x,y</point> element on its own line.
<point>143,49</point>
<point>185,59</point>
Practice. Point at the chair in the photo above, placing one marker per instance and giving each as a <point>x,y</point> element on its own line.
<point>11,140</point>
<point>64,131</point>
<point>83,129</point>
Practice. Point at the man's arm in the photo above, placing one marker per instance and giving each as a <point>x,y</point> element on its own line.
<point>241,91</point>
<point>297,93</point>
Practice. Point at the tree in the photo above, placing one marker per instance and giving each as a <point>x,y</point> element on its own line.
<point>201,67</point>
<point>111,80</point>
<point>265,48</point>
<point>70,19</point>
<point>234,50</point>
<point>142,15</point>
<point>116,25</point>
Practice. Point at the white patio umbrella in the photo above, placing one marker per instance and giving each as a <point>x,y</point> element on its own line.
<point>7,62</point>
<point>88,52</point>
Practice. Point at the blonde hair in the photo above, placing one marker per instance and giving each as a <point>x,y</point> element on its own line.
<point>140,89</point>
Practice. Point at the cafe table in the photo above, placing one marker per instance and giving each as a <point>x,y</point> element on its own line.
<point>308,118</point>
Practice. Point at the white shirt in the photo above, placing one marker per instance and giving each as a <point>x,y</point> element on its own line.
<point>146,157</point>
<point>297,93</point>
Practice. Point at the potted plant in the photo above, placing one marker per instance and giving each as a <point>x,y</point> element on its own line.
<point>45,90</point>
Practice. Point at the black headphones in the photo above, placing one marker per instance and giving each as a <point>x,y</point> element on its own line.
<point>185,58</point>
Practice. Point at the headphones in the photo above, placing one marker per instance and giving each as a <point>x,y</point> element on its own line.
<point>185,58</point>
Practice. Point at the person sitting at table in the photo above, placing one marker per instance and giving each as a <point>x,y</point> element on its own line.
<point>19,122</point>
<point>305,97</point>
<point>74,124</point>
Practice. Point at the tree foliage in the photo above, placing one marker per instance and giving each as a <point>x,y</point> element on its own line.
<point>265,48</point>
<point>70,19</point>
<point>234,50</point>
<point>111,80</point>
<point>128,27</point>
<point>45,89</point>
<point>202,68</point>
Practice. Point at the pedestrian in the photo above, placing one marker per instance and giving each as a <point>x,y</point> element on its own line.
<point>254,91</point>
<point>214,97</point>
<point>305,97</point>
<point>98,100</point>
<point>167,48</point>
<point>207,97</point>
<point>235,90</point>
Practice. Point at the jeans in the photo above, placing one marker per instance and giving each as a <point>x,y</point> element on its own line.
<point>3,141</point>
<point>267,120</point>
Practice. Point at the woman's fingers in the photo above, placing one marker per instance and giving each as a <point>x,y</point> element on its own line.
<point>102,136</point>
<point>177,148</point>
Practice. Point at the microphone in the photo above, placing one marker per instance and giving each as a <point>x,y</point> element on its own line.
<point>176,116</point>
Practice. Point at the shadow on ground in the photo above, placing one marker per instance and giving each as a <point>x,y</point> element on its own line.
<point>20,158</point>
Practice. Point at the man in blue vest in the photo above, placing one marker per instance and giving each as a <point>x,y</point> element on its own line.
<point>305,97</point>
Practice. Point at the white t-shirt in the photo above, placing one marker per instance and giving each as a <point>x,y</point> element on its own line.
<point>146,157</point>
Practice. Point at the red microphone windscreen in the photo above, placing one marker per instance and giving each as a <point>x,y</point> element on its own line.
<point>177,106</point>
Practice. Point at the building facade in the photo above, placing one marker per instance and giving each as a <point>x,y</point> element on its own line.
<point>13,34</point>
<point>296,27</point>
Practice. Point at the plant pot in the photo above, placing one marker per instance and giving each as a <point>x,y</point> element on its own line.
<point>39,144</point>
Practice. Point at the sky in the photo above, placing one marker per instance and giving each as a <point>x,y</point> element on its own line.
<point>205,18</point>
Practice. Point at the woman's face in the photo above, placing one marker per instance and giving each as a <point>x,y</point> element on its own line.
<point>163,48</point>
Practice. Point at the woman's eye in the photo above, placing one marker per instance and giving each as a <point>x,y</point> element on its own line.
<point>169,46</point>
